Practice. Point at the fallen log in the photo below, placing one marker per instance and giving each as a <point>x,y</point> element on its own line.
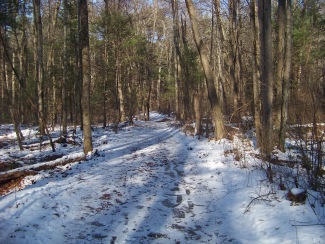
<point>12,180</point>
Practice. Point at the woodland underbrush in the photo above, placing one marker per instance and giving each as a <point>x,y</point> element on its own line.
<point>300,166</point>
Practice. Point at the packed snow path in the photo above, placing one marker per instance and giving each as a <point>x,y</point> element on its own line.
<point>152,184</point>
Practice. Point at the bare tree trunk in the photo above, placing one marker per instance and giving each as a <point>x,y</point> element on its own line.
<point>219,130</point>
<point>239,71</point>
<point>235,62</point>
<point>13,80</point>
<point>197,109</point>
<point>35,115</point>
<point>159,88</point>
<point>154,20</point>
<point>105,84</point>
<point>220,65</point>
<point>148,95</point>
<point>78,82</point>
<point>264,12</point>
<point>233,40</point>
<point>106,63</point>
<point>64,78</point>
<point>186,76</point>
<point>132,93</point>
<point>11,104</point>
<point>23,64</point>
<point>51,33</point>
<point>177,57</point>
<point>255,74</point>
<point>120,89</point>
<point>50,62</point>
<point>212,39</point>
<point>286,77</point>
<point>3,102</point>
<point>40,66</point>
<point>280,66</point>
<point>85,70</point>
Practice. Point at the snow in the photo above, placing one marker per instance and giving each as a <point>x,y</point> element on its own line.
<point>151,183</point>
<point>297,191</point>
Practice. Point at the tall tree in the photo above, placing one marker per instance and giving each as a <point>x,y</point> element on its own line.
<point>264,13</point>
<point>50,69</point>
<point>23,62</point>
<point>280,63</point>
<point>185,74</point>
<point>177,57</point>
<point>85,73</point>
<point>220,64</point>
<point>219,130</point>
<point>39,63</point>
<point>233,54</point>
<point>106,57</point>
<point>197,109</point>
<point>286,77</point>
<point>65,70</point>
<point>255,73</point>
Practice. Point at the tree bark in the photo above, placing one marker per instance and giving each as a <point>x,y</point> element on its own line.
<point>106,75</point>
<point>286,77</point>
<point>39,61</point>
<point>158,88</point>
<point>120,88</point>
<point>197,109</point>
<point>264,13</point>
<point>64,78</point>
<point>177,58</point>
<point>85,71</point>
<point>186,75</point>
<point>255,74</point>
<point>280,66</point>
<point>232,56</point>
<point>78,82</point>
<point>219,130</point>
<point>220,64</point>
<point>148,95</point>
<point>23,65</point>
<point>50,62</point>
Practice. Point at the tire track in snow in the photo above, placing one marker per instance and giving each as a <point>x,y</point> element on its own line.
<point>136,194</point>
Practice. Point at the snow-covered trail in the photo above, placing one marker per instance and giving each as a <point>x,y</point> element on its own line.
<point>150,184</point>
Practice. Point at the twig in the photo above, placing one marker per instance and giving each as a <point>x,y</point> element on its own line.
<point>308,225</point>
<point>238,109</point>
<point>258,198</point>
<point>16,197</point>
<point>317,215</point>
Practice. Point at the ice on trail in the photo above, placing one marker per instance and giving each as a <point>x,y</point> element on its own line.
<point>150,183</point>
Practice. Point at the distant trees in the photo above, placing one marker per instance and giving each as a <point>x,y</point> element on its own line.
<point>194,58</point>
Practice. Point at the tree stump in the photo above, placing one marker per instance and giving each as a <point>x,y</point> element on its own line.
<point>297,195</point>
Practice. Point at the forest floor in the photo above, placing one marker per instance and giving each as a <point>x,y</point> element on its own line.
<point>147,183</point>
